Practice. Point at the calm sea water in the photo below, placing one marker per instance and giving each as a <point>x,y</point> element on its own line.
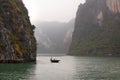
<point>70,68</point>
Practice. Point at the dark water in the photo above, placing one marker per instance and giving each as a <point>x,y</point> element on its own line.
<point>70,68</point>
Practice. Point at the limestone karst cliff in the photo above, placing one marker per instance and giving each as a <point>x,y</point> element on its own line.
<point>17,41</point>
<point>97,27</point>
<point>54,42</point>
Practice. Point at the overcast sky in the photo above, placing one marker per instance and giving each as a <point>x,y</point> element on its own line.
<point>52,10</point>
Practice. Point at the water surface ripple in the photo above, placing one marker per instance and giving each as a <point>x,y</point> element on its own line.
<point>69,68</point>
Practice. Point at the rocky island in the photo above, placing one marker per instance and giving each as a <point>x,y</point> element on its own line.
<point>97,28</point>
<point>17,41</point>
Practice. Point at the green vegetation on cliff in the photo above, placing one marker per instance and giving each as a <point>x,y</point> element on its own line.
<point>17,41</point>
<point>96,29</point>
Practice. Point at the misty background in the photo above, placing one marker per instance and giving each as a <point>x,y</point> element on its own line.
<point>54,21</point>
<point>54,37</point>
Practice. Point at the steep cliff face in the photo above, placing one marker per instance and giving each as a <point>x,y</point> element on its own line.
<point>97,28</point>
<point>17,42</point>
<point>54,42</point>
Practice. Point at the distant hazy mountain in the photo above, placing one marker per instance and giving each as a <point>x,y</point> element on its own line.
<point>54,37</point>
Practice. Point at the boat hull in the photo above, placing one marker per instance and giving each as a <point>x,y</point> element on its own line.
<point>55,61</point>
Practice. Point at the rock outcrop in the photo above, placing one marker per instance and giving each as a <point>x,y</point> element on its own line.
<point>17,41</point>
<point>97,27</point>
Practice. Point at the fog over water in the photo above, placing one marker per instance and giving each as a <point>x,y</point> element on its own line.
<point>49,15</point>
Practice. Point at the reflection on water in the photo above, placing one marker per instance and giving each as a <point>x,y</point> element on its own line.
<point>97,68</point>
<point>55,71</point>
<point>16,71</point>
<point>69,68</point>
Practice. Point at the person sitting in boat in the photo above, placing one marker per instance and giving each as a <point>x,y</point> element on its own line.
<point>54,60</point>
<point>51,58</point>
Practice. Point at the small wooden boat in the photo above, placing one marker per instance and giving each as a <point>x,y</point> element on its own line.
<point>54,60</point>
